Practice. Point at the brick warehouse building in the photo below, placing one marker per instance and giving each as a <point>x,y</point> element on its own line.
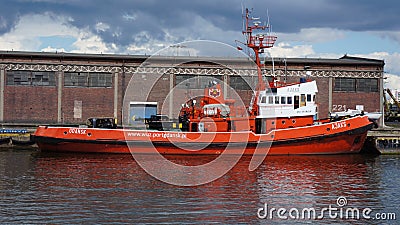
<point>66,88</point>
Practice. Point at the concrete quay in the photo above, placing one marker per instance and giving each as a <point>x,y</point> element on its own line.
<point>385,140</point>
<point>16,135</point>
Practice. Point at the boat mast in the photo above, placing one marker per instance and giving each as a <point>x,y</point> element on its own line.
<point>257,42</point>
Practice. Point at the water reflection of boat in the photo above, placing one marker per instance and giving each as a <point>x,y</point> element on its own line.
<point>308,182</point>
<point>98,182</point>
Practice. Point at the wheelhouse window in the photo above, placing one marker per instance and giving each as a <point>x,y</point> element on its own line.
<point>283,100</point>
<point>271,100</point>
<point>264,99</point>
<point>30,78</point>
<point>308,97</point>
<point>289,100</point>
<point>276,99</point>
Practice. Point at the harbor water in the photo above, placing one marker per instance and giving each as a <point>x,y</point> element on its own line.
<point>50,188</point>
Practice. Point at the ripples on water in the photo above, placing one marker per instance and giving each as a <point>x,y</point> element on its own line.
<point>103,188</point>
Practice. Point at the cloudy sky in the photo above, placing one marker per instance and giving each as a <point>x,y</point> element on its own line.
<point>305,28</point>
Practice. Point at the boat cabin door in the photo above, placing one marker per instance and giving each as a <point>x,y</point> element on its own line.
<point>261,126</point>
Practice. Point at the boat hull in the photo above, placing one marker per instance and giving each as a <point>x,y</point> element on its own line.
<point>342,137</point>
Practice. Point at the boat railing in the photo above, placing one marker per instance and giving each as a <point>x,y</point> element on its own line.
<point>262,41</point>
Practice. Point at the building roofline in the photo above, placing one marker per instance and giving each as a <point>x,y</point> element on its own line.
<point>344,60</point>
<point>362,59</point>
<point>68,55</point>
<point>341,61</point>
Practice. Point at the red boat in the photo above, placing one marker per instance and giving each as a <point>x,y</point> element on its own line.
<point>280,120</point>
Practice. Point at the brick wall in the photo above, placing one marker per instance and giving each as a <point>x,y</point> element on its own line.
<point>30,104</point>
<point>39,104</point>
<point>96,102</point>
<point>322,98</point>
<point>370,101</point>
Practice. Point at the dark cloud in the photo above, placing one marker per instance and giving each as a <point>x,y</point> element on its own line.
<point>127,18</point>
<point>355,15</point>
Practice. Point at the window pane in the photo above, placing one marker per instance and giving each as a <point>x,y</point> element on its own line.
<point>367,85</point>
<point>73,79</point>
<point>100,80</point>
<point>31,78</point>
<point>276,99</point>
<point>270,100</point>
<point>183,81</point>
<point>18,77</point>
<point>204,81</point>
<point>242,83</point>
<point>43,78</point>
<point>195,82</point>
<point>283,100</point>
<point>309,98</point>
<point>345,84</point>
<point>264,99</point>
<point>289,100</point>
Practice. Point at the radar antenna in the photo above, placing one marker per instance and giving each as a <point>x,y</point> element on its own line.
<point>257,42</point>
